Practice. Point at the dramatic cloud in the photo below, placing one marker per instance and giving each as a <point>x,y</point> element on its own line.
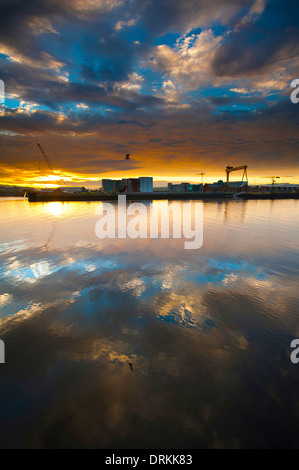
<point>179,84</point>
<point>256,46</point>
<point>184,16</point>
<point>189,63</point>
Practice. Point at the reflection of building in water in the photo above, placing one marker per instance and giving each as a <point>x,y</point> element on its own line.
<point>235,210</point>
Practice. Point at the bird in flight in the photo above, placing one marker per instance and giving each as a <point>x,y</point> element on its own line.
<point>128,156</point>
<point>131,366</point>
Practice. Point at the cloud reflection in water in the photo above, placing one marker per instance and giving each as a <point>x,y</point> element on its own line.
<point>207,333</point>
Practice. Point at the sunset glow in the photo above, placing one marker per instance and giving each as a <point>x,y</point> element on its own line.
<point>149,200</point>
<point>168,82</point>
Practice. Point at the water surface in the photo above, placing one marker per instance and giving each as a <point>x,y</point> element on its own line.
<point>142,344</point>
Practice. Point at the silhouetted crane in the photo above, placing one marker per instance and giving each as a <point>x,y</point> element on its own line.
<point>47,160</point>
<point>230,169</point>
<point>202,175</point>
<point>273,178</point>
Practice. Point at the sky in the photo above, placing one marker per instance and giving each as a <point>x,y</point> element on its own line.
<point>184,86</point>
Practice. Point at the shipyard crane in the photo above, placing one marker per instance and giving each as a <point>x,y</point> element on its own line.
<point>230,169</point>
<point>47,160</point>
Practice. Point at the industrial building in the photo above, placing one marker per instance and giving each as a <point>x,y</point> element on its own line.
<point>222,187</point>
<point>178,188</point>
<point>132,185</point>
<point>280,188</point>
<point>128,185</point>
<point>198,188</point>
<point>113,186</point>
<point>184,188</point>
<point>218,187</point>
<point>72,190</point>
<point>146,184</point>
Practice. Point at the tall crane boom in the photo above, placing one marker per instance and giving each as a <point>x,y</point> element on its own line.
<point>46,158</point>
<point>48,161</point>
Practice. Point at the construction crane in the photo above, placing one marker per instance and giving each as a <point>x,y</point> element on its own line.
<point>273,178</point>
<point>202,175</point>
<point>230,169</point>
<point>47,160</point>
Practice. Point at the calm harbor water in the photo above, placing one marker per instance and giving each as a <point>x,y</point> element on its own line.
<point>142,344</point>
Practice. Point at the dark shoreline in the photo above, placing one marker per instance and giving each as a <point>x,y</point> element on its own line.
<point>86,197</point>
<point>270,196</point>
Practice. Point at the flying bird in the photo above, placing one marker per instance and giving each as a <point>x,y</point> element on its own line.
<point>131,366</point>
<point>128,156</point>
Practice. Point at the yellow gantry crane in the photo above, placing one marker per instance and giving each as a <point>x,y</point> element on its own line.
<point>230,169</point>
